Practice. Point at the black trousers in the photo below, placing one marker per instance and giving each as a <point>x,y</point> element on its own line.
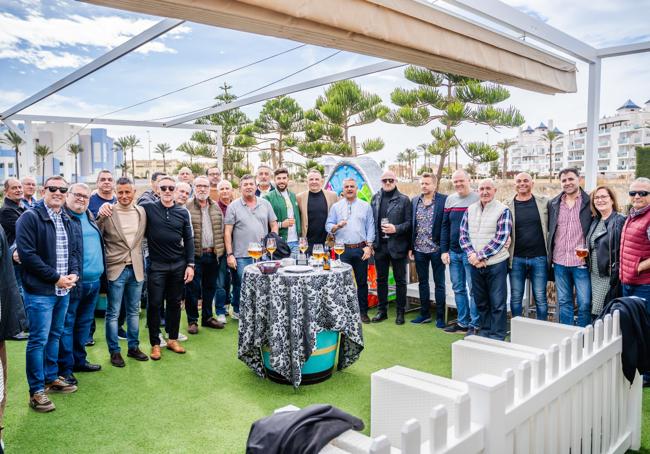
<point>164,283</point>
<point>382,261</point>
<point>204,285</point>
<point>360,267</point>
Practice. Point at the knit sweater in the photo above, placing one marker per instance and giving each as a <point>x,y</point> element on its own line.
<point>455,208</point>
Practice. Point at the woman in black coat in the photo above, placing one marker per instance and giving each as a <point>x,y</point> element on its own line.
<point>603,241</point>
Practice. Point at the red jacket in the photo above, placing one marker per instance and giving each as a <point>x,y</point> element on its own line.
<point>635,247</point>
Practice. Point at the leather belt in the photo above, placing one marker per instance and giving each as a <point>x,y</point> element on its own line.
<point>357,245</point>
<point>207,250</point>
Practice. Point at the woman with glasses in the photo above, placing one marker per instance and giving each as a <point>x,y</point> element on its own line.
<point>603,242</point>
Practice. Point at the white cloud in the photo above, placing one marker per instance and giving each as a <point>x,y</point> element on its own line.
<point>38,40</point>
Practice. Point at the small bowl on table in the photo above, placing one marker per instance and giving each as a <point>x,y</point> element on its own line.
<point>269,267</point>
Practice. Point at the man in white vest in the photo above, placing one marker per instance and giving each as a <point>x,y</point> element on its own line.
<point>484,231</point>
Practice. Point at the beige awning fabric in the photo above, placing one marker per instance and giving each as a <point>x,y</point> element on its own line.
<point>400,30</point>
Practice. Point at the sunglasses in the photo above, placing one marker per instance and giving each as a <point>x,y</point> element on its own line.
<point>56,188</point>
<point>168,188</point>
<point>388,180</point>
<point>639,193</point>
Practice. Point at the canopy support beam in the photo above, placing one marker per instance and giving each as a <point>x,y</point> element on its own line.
<point>593,112</point>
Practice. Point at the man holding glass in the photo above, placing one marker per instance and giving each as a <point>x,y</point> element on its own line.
<point>248,220</point>
<point>569,218</point>
<point>392,214</point>
<point>286,209</point>
<point>351,221</point>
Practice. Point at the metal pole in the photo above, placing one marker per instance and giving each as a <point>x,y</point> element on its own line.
<point>593,108</point>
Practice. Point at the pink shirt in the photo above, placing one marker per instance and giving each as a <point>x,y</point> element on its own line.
<point>568,234</point>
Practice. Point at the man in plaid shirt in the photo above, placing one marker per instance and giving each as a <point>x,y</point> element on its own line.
<point>484,232</point>
<point>49,253</point>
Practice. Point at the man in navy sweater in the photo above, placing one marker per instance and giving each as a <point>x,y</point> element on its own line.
<point>452,254</point>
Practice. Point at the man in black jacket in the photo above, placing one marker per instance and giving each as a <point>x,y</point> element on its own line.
<point>48,250</point>
<point>569,218</point>
<point>392,214</point>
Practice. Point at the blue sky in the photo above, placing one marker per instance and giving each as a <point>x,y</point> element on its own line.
<point>41,41</point>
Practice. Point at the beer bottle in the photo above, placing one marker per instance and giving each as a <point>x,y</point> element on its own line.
<point>326,260</point>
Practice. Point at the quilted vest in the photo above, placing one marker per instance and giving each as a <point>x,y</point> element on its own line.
<point>197,225</point>
<point>635,247</point>
<point>482,227</point>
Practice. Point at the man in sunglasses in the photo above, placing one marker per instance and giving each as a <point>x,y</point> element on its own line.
<point>83,298</point>
<point>635,247</point>
<point>49,253</point>
<point>171,252</point>
<point>391,212</point>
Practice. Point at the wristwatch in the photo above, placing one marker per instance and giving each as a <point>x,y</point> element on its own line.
<point>229,254</point>
<point>191,265</point>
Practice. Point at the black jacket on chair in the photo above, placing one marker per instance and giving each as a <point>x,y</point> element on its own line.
<point>398,214</point>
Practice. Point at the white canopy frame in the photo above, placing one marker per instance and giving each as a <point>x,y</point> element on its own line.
<point>492,10</point>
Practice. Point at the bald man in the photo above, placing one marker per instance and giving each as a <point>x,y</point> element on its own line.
<point>391,211</point>
<point>528,251</point>
<point>484,231</point>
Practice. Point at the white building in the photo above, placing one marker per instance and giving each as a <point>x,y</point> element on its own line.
<point>531,152</point>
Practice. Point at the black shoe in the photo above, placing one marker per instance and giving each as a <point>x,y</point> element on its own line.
<point>380,317</point>
<point>365,318</point>
<point>71,379</point>
<point>455,329</point>
<point>399,320</point>
<point>137,354</point>
<point>88,367</point>
<point>90,342</point>
<point>117,360</point>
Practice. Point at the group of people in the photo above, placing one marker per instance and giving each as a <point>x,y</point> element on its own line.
<point>186,240</point>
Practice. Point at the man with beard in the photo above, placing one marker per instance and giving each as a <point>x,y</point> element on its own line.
<point>214,175</point>
<point>286,209</point>
<point>264,185</point>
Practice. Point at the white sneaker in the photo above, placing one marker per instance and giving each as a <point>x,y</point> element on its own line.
<point>182,337</point>
<point>221,319</point>
<point>235,315</point>
<point>163,343</point>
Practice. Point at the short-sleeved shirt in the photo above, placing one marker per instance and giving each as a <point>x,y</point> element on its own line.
<point>249,224</point>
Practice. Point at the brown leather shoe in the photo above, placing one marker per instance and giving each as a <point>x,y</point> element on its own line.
<point>193,328</point>
<point>213,323</point>
<point>174,346</point>
<point>155,353</point>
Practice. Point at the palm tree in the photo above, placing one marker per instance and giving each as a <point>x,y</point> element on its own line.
<point>401,158</point>
<point>75,149</point>
<point>504,146</point>
<point>411,157</point>
<point>42,152</point>
<point>121,144</point>
<point>163,149</point>
<point>193,150</point>
<point>134,143</point>
<point>550,137</point>
<point>426,156</point>
<point>13,139</point>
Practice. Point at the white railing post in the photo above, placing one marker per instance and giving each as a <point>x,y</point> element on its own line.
<point>488,407</point>
<point>380,445</point>
<point>463,416</point>
<point>411,438</point>
<point>438,429</point>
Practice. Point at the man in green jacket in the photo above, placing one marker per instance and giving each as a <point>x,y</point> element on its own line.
<point>286,209</point>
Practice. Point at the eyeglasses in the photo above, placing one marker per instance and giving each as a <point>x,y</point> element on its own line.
<point>639,193</point>
<point>80,196</point>
<point>167,188</point>
<point>57,188</point>
<point>601,197</point>
<point>388,180</point>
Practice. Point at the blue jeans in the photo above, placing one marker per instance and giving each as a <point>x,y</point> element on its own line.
<point>535,268</point>
<point>422,263</point>
<point>123,290</point>
<point>223,286</point>
<point>293,245</point>
<point>490,288</point>
<point>461,281</point>
<point>76,329</point>
<point>46,316</point>
<point>242,262</point>
<point>566,277</point>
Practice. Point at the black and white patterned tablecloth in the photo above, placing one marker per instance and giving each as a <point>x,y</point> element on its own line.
<point>285,311</point>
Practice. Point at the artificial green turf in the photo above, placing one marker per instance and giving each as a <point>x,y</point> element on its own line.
<point>205,400</point>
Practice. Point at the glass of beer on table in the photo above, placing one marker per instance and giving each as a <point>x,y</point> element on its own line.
<point>255,250</point>
<point>271,246</point>
<point>318,252</point>
<point>339,248</point>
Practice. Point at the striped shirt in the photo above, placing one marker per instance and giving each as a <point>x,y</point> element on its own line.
<point>504,227</point>
<point>568,234</point>
<point>61,248</point>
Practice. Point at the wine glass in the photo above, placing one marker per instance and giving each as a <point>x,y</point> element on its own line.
<point>318,252</point>
<point>255,250</point>
<point>302,244</point>
<point>271,246</point>
<point>385,221</point>
<point>582,252</point>
<point>339,248</point>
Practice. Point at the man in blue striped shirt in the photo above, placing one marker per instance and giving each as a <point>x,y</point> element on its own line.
<point>484,231</point>
<point>351,221</point>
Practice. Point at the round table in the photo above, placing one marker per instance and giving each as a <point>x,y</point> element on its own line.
<point>284,312</point>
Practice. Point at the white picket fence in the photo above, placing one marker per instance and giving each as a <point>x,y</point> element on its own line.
<point>552,389</point>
